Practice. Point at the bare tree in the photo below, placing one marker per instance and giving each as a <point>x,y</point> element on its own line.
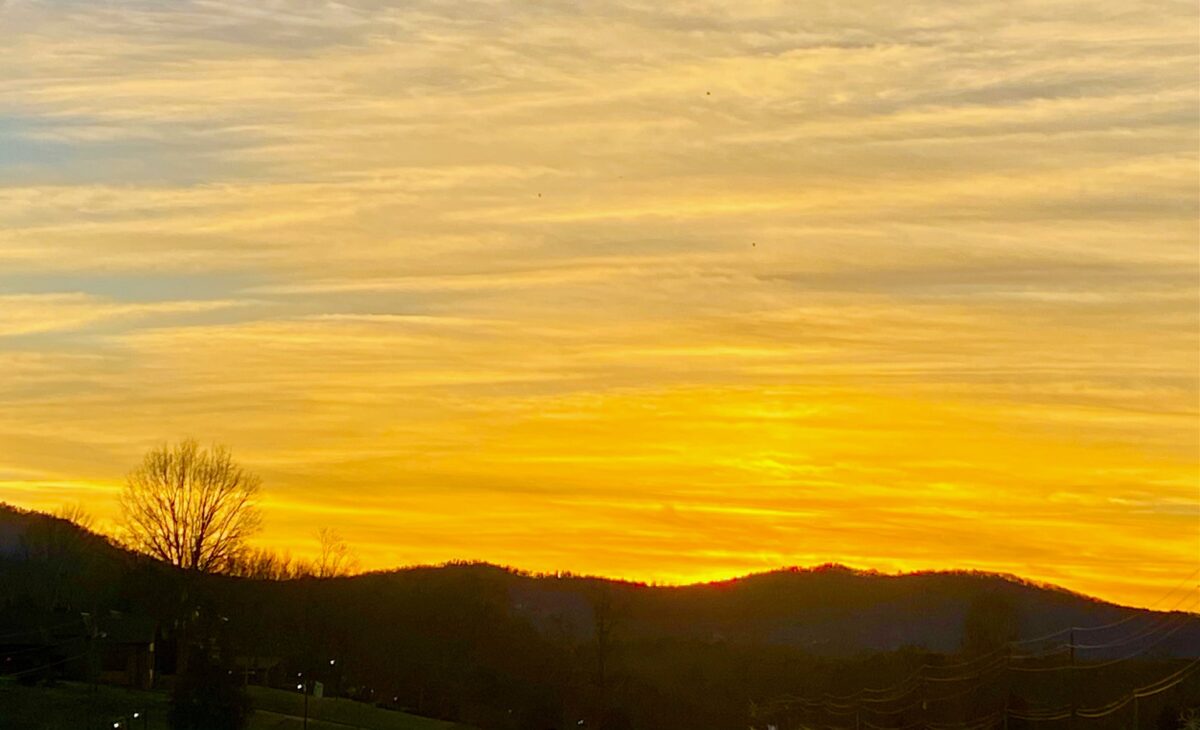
<point>191,507</point>
<point>74,513</point>
<point>335,558</point>
<point>265,564</point>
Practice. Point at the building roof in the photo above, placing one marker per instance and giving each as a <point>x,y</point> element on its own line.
<point>117,628</point>
<point>20,626</point>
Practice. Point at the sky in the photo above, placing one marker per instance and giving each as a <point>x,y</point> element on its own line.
<point>662,291</point>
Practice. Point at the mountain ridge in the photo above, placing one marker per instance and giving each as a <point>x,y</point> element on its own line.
<point>503,649</point>
<point>891,610</point>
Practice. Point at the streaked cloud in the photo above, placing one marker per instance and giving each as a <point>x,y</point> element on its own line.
<point>23,314</point>
<point>663,291</point>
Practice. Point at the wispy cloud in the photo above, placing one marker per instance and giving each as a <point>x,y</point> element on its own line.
<point>660,290</point>
<point>23,314</point>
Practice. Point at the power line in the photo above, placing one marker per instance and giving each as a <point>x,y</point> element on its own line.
<point>981,670</point>
<point>1170,617</point>
<point>44,667</point>
<point>976,724</point>
<point>900,711</point>
<point>1096,712</point>
<point>40,647</point>
<point>1062,715</point>
<point>41,629</point>
<point>909,726</point>
<point>909,684</point>
<point>1113,624</point>
<point>1167,682</point>
<point>914,681</point>
<point>1147,631</point>
<point>1101,665</point>
<point>998,663</point>
<point>984,676</point>
<point>1162,685</point>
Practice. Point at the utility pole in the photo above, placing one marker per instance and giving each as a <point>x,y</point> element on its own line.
<point>924,701</point>
<point>308,662</point>
<point>1005,712</point>
<point>93,666</point>
<point>1071,680</point>
<point>1007,688</point>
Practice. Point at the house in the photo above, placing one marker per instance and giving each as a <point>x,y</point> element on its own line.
<point>257,669</point>
<point>125,645</point>
<point>37,645</point>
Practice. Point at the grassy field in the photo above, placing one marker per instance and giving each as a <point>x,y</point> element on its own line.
<point>277,709</point>
<point>73,706</point>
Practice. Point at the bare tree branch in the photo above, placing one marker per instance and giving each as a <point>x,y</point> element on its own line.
<point>191,507</point>
<point>335,558</point>
<point>74,513</point>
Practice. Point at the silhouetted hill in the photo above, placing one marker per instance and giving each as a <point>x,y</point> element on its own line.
<point>18,526</point>
<point>498,648</point>
<point>835,610</point>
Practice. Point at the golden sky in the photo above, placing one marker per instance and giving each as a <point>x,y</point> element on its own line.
<point>667,291</point>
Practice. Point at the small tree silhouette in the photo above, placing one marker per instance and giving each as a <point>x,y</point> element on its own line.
<point>208,696</point>
<point>335,558</point>
<point>74,513</point>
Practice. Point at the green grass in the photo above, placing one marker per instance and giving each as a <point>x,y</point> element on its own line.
<point>332,714</point>
<point>75,706</point>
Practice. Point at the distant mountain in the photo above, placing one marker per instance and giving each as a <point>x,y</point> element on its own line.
<point>838,611</point>
<point>834,610</point>
<point>483,644</point>
<point>826,610</point>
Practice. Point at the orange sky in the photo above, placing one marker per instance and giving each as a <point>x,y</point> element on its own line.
<point>661,293</point>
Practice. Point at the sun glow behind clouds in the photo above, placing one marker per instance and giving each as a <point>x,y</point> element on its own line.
<point>661,293</point>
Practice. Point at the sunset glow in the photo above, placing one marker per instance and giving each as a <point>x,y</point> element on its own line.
<point>661,291</point>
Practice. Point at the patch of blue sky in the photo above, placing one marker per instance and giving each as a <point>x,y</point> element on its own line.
<point>98,335</point>
<point>135,287</point>
<point>77,150</point>
<point>22,150</point>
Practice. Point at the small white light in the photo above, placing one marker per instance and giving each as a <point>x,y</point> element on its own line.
<point>299,686</point>
<point>332,662</point>
<point>136,715</point>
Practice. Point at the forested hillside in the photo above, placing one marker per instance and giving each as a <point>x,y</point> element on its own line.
<point>501,649</point>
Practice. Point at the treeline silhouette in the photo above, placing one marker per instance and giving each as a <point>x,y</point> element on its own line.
<point>503,650</point>
<point>334,559</point>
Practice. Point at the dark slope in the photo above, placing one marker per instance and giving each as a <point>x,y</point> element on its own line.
<point>838,611</point>
<point>829,610</point>
<point>501,649</point>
